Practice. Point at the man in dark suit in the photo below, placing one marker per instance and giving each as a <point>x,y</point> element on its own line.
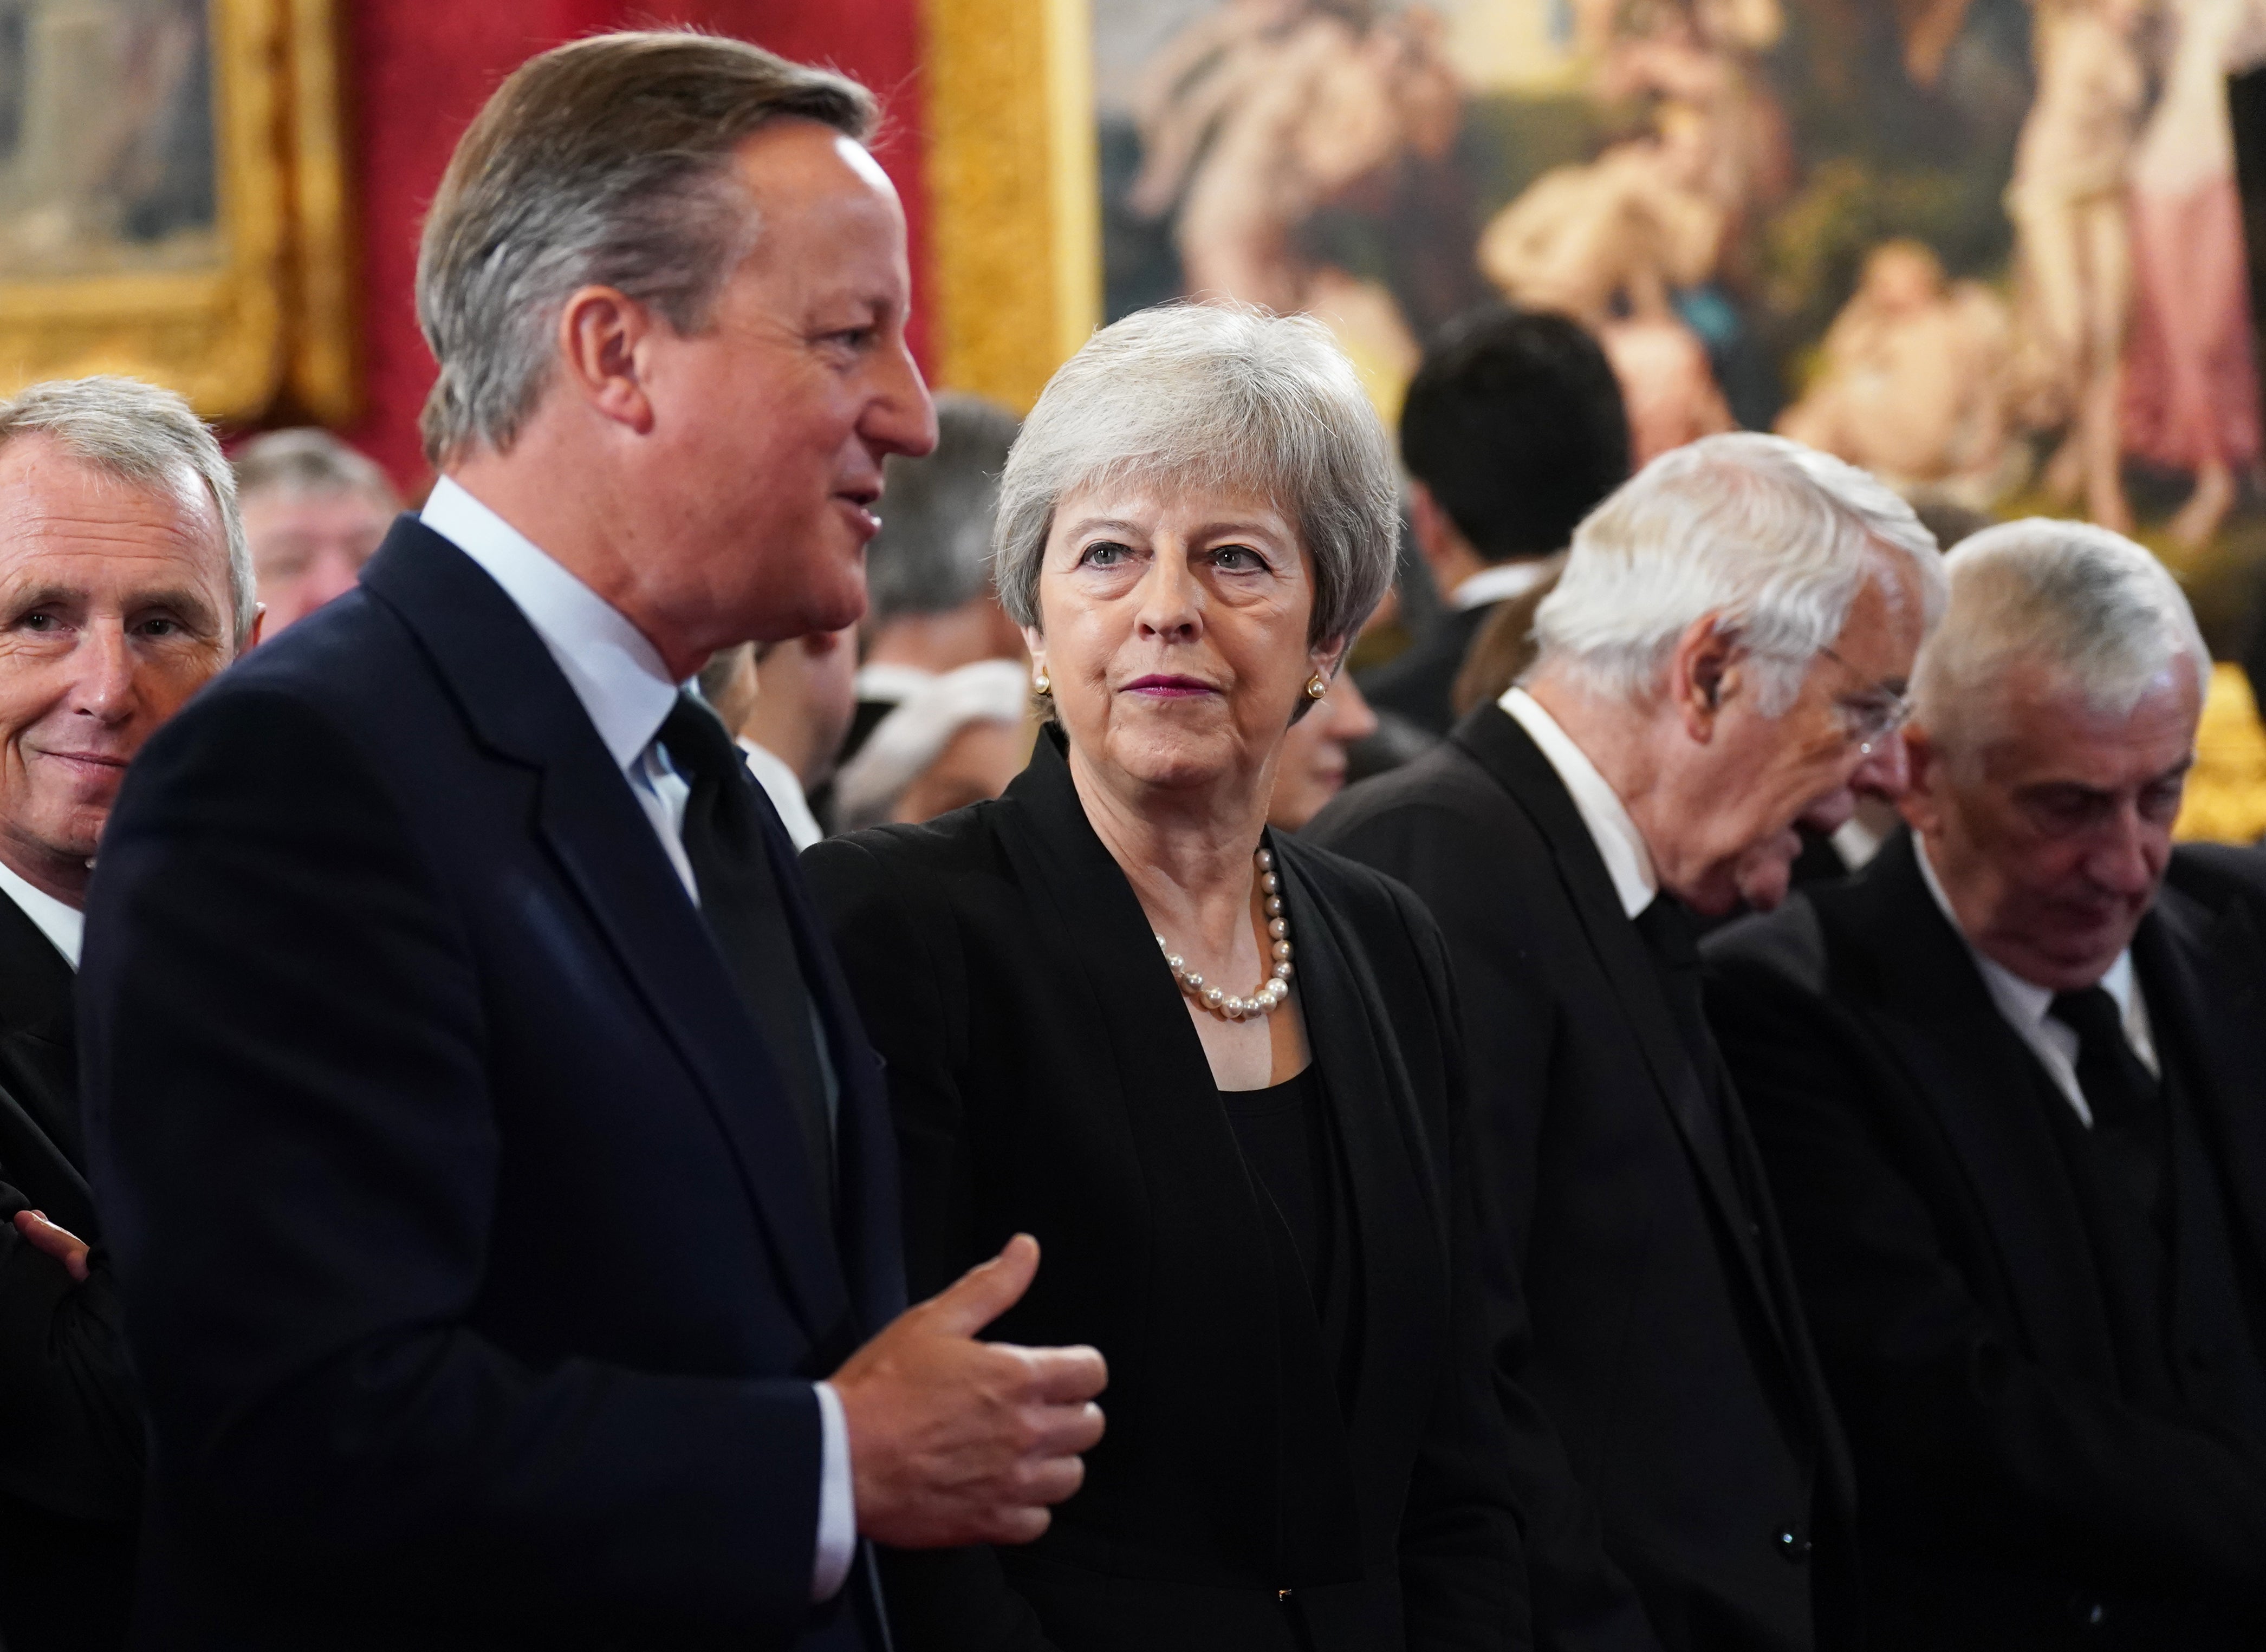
<point>1513,429</point>
<point>500,1180</point>
<point>2011,1091</point>
<point>124,587</point>
<point>1722,658</point>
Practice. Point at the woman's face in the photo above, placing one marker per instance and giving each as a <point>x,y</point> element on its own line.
<point>1313,767</point>
<point>1172,627</point>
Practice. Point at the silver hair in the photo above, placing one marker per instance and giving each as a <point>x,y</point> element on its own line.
<point>1209,395</point>
<point>604,162</point>
<point>310,461</point>
<point>2097,611</point>
<point>148,438</point>
<point>935,550</point>
<point>1774,539</point>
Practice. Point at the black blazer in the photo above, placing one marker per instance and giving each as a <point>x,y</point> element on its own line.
<point>470,1256</point>
<point>1664,1344</point>
<point>70,1421</point>
<point>2012,1494</point>
<point>1416,684</point>
<point>1045,1077</point>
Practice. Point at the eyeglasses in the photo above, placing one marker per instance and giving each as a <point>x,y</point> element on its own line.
<point>1873,718</point>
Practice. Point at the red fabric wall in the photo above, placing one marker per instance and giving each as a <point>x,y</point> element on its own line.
<point>418,70</point>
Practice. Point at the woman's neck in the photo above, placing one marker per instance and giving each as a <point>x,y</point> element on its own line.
<point>1186,852</point>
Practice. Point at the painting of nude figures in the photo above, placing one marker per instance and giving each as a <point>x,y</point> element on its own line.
<point>1992,250</point>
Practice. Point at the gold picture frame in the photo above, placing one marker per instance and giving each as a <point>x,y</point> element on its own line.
<point>269,321</point>
<point>1014,199</point>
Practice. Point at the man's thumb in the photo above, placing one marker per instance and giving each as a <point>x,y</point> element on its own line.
<point>984,1293</point>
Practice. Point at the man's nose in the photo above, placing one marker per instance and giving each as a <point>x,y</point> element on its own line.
<point>1885,771</point>
<point>2128,856</point>
<point>901,417</point>
<point>103,686</point>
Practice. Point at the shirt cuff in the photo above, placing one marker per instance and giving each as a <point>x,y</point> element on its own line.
<point>837,1509</point>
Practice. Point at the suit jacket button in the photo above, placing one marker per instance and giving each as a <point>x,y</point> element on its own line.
<point>1793,1548</point>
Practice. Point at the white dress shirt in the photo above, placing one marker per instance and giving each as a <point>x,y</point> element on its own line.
<point>623,685</point>
<point>1501,582</point>
<point>1628,860</point>
<point>64,925</point>
<point>2027,1007</point>
<point>784,787</point>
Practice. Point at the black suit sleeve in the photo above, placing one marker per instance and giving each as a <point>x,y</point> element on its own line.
<point>1580,1600</point>
<point>894,939</point>
<point>70,1429</point>
<point>1965,1440</point>
<point>297,1154</point>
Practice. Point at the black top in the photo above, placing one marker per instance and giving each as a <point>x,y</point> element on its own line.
<point>1661,1336</point>
<point>470,1256</point>
<point>1279,1129</point>
<point>2051,1399</point>
<point>1046,1077</point>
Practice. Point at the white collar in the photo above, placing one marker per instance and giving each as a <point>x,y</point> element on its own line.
<point>891,684</point>
<point>614,671</point>
<point>2025,1003</point>
<point>1503,582</point>
<point>1628,861</point>
<point>64,925</point>
<point>784,787</point>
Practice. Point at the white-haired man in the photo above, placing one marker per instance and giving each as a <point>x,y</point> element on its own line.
<point>1724,658</point>
<point>124,587</point>
<point>505,1198</point>
<point>2011,1091</point>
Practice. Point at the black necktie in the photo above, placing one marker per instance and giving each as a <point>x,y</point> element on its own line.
<point>1673,944</point>
<point>741,901</point>
<point>2120,1092</point>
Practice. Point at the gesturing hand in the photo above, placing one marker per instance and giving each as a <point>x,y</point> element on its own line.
<point>955,1441</point>
<point>61,1243</point>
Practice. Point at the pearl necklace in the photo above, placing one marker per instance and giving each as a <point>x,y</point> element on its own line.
<point>1274,989</point>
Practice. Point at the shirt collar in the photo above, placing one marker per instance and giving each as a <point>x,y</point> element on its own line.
<point>614,671</point>
<point>64,926</point>
<point>1503,582</point>
<point>1628,860</point>
<point>2024,1002</point>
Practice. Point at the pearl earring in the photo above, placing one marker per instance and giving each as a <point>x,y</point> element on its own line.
<point>1043,683</point>
<point>1316,685</point>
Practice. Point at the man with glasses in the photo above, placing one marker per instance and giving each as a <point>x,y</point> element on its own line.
<point>1723,659</point>
<point>2010,1090</point>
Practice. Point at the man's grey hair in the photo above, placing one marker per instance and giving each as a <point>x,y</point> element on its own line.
<point>147,438</point>
<point>2101,614</point>
<point>935,550</point>
<point>310,462</point>
<point>606,162</point>
<point>1773,538</point>
<point>1206,395</point>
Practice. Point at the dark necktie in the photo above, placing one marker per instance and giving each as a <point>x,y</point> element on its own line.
<point>2122,1094</point>
<point>1674,943</point>
<point>741,901</point>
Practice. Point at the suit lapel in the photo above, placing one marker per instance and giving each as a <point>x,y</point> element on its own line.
<point>1982,1084</point>
<point>1517,763</point>
<point>2201,975</point>
<point>514,696</point>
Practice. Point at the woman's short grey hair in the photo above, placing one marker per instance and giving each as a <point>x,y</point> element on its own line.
<point>309,463</point>
<point>148,438</point>
<point>606,161</point>
<point>1204,395</point>
<point>934,553</point>
<point>2097,611</point>
<point>1773,538</point>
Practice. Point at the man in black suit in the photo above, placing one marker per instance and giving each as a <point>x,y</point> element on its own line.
<point>1721,659</point>
<point>1512,431</point>
<point>501,1183</point>
<point>2011,1091</point>
<point>124,587</point>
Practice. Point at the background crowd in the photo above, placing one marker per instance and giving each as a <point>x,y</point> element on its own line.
<point>1693,1106</point>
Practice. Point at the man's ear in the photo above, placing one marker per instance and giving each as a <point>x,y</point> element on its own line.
<point>604,346</point>
<point>1702,672</point>
<point>1922,804</point>
<point>258,625</point>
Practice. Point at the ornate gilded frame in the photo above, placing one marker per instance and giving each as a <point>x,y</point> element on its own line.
<point>274,322</point>
<point>1015,200</point>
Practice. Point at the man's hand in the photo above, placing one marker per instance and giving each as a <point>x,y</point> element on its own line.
<point>955,1441</point>
<point>65,1245</point>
